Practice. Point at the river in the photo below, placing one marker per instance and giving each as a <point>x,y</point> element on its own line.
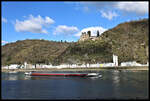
<point>112,85</point>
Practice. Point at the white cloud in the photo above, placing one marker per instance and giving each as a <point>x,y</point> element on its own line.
<point>3,42</point>
<point>67,30</point>
<point>109,15</point>
<point>93,30</point>
<point>139,8</point>
<point>33,24</point>
<point>4,20</point>
<point>99,5</point>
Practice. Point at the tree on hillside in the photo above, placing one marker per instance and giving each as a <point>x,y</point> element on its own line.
<point>97,33</point>
<point>89,33</point>
<point>86,59</point>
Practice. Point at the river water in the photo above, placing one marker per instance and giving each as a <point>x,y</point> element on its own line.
<point>112,85</point>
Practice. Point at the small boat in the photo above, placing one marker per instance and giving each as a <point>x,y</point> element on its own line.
<point>62,74</point>
<point>93,74</point>
<point>27,73</point>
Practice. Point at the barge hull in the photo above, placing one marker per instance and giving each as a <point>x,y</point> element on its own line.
<point>40,74</point>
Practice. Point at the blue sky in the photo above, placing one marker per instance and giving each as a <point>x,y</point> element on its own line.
<point>64,20</point>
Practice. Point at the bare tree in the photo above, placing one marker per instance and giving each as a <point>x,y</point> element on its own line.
<point>97,33</point>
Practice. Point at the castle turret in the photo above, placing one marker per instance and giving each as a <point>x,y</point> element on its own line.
<point>89,33</point>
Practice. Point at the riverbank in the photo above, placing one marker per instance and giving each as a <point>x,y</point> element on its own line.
<point>135,68</point>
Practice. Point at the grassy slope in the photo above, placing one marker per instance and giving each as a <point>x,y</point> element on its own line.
<point>32,51</point>
<point>129,40</point>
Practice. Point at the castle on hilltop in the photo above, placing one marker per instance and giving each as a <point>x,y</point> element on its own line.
<point>87,36</point>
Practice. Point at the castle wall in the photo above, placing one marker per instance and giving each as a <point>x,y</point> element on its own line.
<point>85,36</point>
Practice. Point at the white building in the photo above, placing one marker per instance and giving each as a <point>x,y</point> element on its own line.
<point>147,63</point>
<point>132,63</point>
<point>5,67</point>
<point>94,65</point>
<point>115,60</point>
<point>13,66</point>
<point>108,65</point>
<point>25,64</point>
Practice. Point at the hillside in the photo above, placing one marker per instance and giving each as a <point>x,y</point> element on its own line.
<point>129,41</point>
<point>32,51</point>
<point>86,52</point>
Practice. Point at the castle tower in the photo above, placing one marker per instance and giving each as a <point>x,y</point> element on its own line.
<point>89,33</point>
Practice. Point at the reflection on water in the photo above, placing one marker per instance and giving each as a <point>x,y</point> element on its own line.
<point>27,77</point>
<point>116,82</point>
<point>13,77</point>
<point>116,78</point>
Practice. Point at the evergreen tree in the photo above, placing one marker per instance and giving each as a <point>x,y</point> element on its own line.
<point>97,33</point>
<point>89,33</point>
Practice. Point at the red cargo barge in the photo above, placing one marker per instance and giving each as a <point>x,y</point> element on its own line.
<point>62,74</point>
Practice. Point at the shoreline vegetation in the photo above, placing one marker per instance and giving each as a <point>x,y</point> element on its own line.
<point>134,68</point>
